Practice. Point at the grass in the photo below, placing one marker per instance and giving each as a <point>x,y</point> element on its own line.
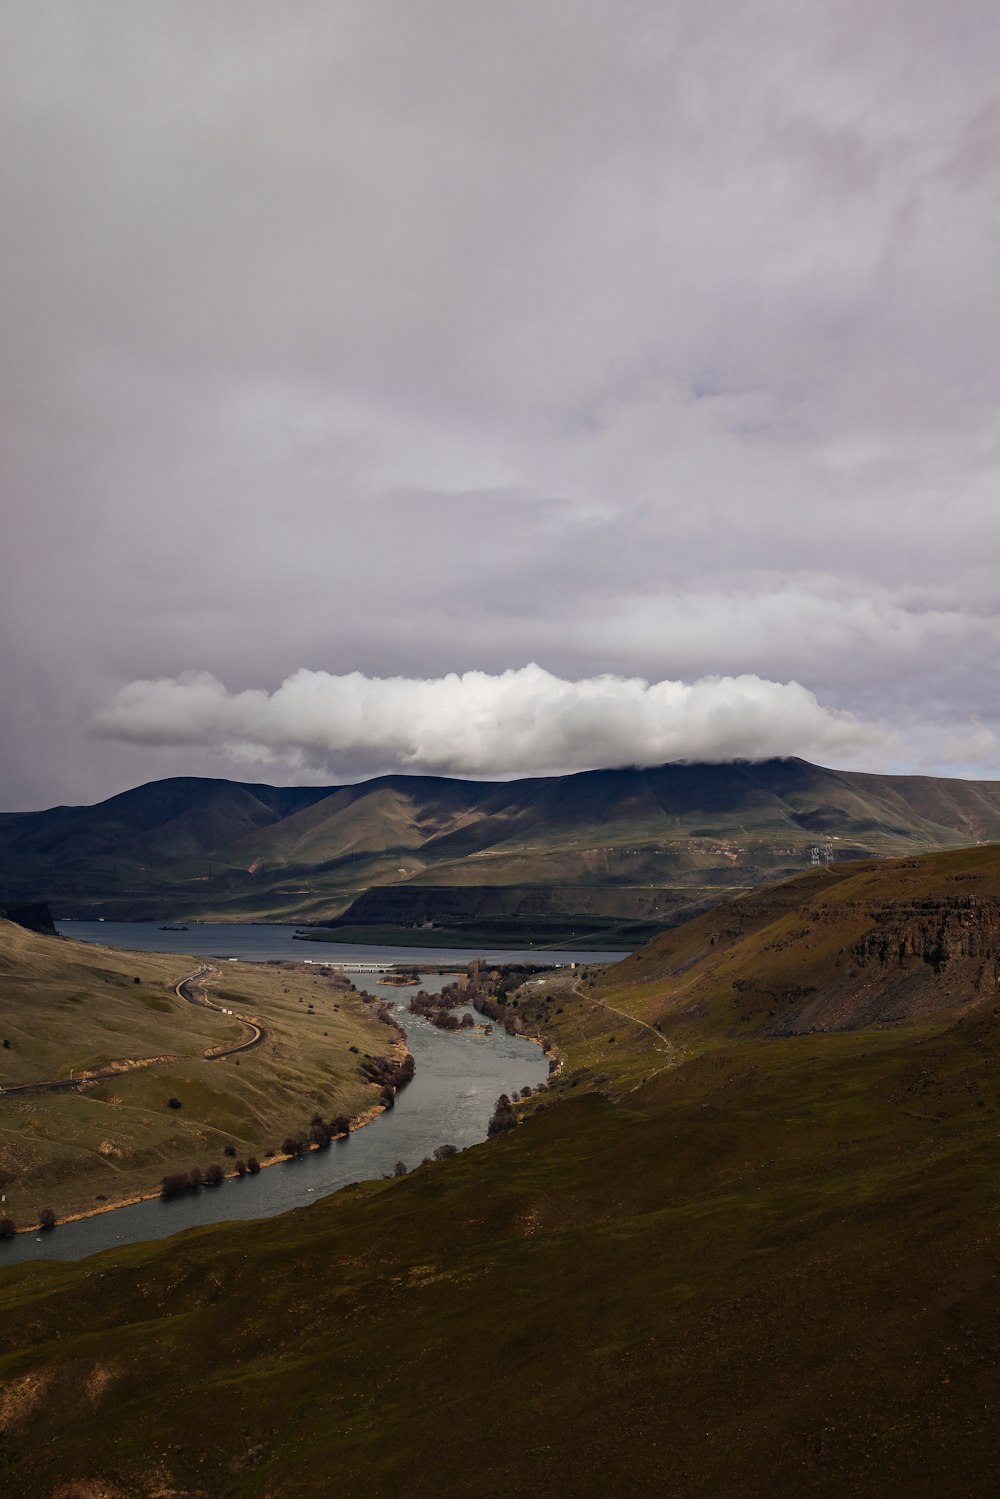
<point>68,1006</point>
<point>769,1269</point>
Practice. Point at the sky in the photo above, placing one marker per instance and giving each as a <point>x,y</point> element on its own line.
<point>496,389</point>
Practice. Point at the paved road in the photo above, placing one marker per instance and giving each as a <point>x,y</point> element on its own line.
<point>184,990</point>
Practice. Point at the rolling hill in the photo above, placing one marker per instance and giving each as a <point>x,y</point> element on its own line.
<point>72,1009</point>
<point>745,1243</point>
<point>594,852</point>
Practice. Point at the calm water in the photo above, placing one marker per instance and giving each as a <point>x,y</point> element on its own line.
<point>259,943</point>
<point>451,1098</point>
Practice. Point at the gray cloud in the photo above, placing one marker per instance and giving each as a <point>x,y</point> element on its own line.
<point>644,340</point>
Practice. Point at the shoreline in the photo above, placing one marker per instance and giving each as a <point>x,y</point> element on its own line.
<point>358,1122</point>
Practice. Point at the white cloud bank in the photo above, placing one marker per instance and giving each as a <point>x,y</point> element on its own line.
<point>523,721</point>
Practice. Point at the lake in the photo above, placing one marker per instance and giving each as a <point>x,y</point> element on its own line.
<point>264,942</point>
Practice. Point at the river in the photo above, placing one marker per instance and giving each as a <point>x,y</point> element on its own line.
<point>459,1076</point>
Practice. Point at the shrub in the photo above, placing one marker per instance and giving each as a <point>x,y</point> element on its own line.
<point>240,1168</point>
<point>253,1165</point>
<point>229,1150</point>
<point>399,1169</point>
<point>444,1151</point>
<point>8,1228</point>
<point>173,1103</point>
<point>180,1181</point>
<point>47,1218</point>
<point>213,1175</point>
<point>504,1117</point>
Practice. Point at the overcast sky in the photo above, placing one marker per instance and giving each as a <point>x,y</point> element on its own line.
<point>496,388</point>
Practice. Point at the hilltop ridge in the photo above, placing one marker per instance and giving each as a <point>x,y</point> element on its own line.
<point>616,851</point>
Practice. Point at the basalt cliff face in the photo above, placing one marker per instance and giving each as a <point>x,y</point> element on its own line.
<point>34,916</point>
<point>938,932</point>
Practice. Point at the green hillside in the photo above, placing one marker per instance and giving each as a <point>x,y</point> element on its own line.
<point>68,1008</point>
<point>222,850</point>
<point>745,1245</point>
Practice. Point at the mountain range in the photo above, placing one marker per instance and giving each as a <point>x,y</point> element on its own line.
<point>608,854</point>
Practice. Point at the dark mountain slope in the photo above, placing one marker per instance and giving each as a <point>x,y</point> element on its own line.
<point>189,847</point>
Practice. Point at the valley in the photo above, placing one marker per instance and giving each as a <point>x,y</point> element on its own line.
<point>744,1242</point>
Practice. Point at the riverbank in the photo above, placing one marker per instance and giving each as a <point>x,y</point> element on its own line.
<point>73,1008</point>
<point>450,1101</point>
<point>554,1057</point>
<point>229,1176</point>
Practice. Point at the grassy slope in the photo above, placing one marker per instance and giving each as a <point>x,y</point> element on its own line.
<point>71,1005</point>
<point>761,959</point>
<point>767,1269</point>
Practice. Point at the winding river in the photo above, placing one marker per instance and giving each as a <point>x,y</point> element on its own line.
<point>459,1076</point>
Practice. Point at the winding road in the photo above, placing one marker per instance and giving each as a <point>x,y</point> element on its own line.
<point>662,1043</point>
<point>184,989</point>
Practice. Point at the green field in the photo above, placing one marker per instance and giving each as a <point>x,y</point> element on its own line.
<point>549,936</point>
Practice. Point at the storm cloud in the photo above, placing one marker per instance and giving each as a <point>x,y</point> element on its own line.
<point>410,343</point>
